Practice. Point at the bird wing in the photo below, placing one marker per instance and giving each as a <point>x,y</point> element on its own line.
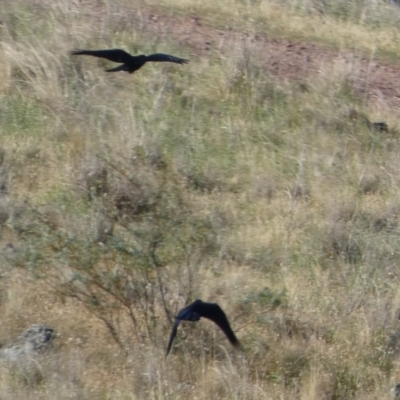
<point>186,314</point>
<point>189,313</point>
<point>116,55</point>
<point>173,334</point>
<point>166,57</point>
<point>214,312</point>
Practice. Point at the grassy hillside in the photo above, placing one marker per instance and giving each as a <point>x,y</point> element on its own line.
<point>123,197</point>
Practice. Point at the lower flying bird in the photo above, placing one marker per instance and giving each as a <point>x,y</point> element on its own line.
<point>193,312</point>
<point>129,63</point>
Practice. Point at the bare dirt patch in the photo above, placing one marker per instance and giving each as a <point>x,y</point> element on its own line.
<point>373,79</point>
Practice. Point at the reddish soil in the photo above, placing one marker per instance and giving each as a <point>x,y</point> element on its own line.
<point>375,79</point>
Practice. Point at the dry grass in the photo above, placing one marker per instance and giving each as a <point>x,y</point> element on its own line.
<point>123,195</point>
<point>368,26</point>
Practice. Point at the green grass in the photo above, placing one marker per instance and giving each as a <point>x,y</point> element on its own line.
<point>219,182</point>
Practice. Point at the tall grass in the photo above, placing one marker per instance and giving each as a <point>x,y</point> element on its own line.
<point>367,26</point>
<point>124,197</point>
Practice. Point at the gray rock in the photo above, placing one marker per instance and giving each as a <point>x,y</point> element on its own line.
<point>396,391</point>
<point>34,339</point>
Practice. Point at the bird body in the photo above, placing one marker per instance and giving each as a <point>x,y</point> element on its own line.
<point>193,312</point>
<point>129,63</point>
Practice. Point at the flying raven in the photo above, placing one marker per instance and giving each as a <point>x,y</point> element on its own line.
<point>130,63</point>
<point>193,312</point>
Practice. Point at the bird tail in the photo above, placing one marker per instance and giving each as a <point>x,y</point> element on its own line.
<point>122,67</point>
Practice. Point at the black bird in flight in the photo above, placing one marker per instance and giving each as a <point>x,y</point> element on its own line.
<point>193,312</point>
<point>129,63</point>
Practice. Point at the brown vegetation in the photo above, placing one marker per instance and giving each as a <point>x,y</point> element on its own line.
<point>125,197</point>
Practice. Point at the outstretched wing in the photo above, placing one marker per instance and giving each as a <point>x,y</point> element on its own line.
<point>214,312</point>
<point>173,334</point>
<point>186,314</point>
<point>166,58</point>
<point>116,55</point>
